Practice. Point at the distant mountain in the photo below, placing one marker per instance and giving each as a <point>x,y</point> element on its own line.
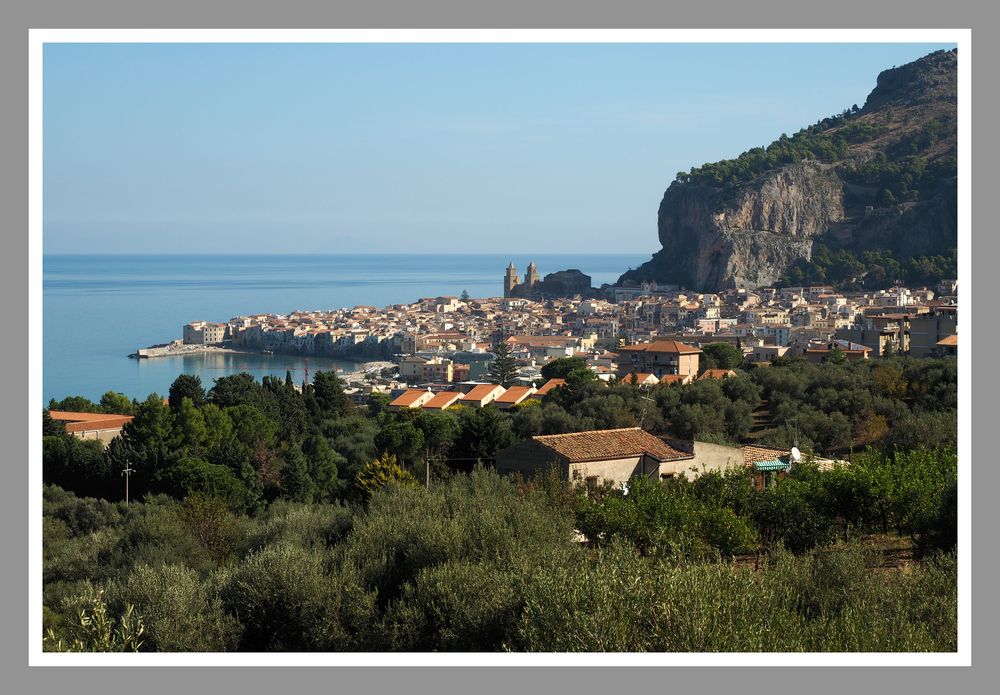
<point>865,197</point>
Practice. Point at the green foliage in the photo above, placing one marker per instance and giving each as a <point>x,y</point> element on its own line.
<point>503,367</point>
<point>79,465</point>
<point>193,475</point>
<point>665,520</point>
<point>117,403</point>
<point>186,386</point>
<point>284,599</point>
<point>720,356</point>
<point>482,433</point>
<point>329,391</point>
<point>624,602</point>
<point>74,404</point>
<point>562,367</point>
<point>402,439</point>
<point>875,269</point>
<point>180,612</point>
<point>96,631</point>
<point>380,473</point>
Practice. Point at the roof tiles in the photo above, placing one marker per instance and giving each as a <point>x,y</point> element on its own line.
<point>609,444</point>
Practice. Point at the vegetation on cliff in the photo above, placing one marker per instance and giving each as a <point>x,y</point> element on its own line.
<point>880,179</point>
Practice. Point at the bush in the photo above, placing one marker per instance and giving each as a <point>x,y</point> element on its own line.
<point>179,611</point>
<point>455,606</point>
<point>285,601</point>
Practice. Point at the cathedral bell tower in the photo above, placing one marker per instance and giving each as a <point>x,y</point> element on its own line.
<point>510,280</point>
<point>531,279</point>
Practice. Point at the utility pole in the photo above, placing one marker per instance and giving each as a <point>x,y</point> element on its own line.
<point>127,471</point>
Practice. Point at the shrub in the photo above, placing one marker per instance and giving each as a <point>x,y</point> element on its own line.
<point>179,612</point>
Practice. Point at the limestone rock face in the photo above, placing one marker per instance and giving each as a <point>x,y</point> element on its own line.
<point>748,233</point>
<point>749,240</point>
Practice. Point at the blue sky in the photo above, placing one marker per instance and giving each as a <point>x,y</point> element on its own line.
<point>460,148</point>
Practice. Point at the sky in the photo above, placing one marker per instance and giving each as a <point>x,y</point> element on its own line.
<point>410,148</point>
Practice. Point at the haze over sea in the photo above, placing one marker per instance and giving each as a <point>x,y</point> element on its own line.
<point>98,309</point>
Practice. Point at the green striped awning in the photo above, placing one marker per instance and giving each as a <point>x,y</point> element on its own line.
<point>774,465</point>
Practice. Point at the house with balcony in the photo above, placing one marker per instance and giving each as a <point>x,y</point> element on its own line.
<point>659,358</point>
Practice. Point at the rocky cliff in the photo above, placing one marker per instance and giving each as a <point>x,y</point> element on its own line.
<point>877,178</point>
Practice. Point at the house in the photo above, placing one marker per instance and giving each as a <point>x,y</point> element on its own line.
<point>851,351</point>
<point>442,400</point>
<point>411,398</point>
<point>676,379</point>
<point>549,385</point>
<point>767,464</point>
<point>100,426</point>
<point>948,346</point>
<point>659,358</point>
<point>719,374</point>
<point>204,333</point>
<point>482,395</point>
<point>641,379</point>
<point>513,396</point>
<point>594,457</point>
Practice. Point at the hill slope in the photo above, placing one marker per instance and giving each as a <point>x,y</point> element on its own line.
<point>867,189</point>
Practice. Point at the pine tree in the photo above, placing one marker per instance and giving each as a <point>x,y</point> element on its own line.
<point>503,368</point>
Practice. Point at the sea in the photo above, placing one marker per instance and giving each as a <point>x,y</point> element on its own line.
<point>97,309</point>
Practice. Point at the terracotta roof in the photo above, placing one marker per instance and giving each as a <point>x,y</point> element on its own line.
<point>480,392</point>
<point>716,374</point>
<point>515,394</point>
<point>442,400</point>
<point>72,416</point>
<point>549,385</point>
<point>408,398</point>
<point>951,340</point>
<point>639,378</point>
<point>755,454</point>
<point>675,378</point>
<point>610,444</point>
<point>668,346</point>
<point>113,422</point>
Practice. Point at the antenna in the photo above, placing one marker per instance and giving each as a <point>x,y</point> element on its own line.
<point>796,455</point>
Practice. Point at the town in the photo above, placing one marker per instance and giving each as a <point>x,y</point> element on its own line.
<point>446,343</point>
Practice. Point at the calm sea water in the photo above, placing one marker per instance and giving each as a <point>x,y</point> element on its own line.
<point>98,309</point>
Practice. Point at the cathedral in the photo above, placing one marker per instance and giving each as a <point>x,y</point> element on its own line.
<point>512,281</point>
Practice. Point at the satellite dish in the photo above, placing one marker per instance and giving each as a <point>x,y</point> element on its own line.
<point>796,454</point>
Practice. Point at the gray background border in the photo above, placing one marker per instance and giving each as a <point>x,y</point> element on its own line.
<point>19,16</point>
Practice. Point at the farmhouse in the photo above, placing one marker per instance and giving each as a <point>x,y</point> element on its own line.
<point>596,456</point>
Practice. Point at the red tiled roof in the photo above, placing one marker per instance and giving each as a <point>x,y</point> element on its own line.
<point>72,416</point>
<point>672,347</point>
<point>515,394</point>
<point>549,385</point>
<point>480,392</point>
<point>114,422</point>
<point>610,444</point>
<point>716,374</point>
<point>442,400</point>
<point>408,398</point>
<point>949,341</point>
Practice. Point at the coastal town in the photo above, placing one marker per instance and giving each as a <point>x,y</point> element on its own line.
<point>445,343</point>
